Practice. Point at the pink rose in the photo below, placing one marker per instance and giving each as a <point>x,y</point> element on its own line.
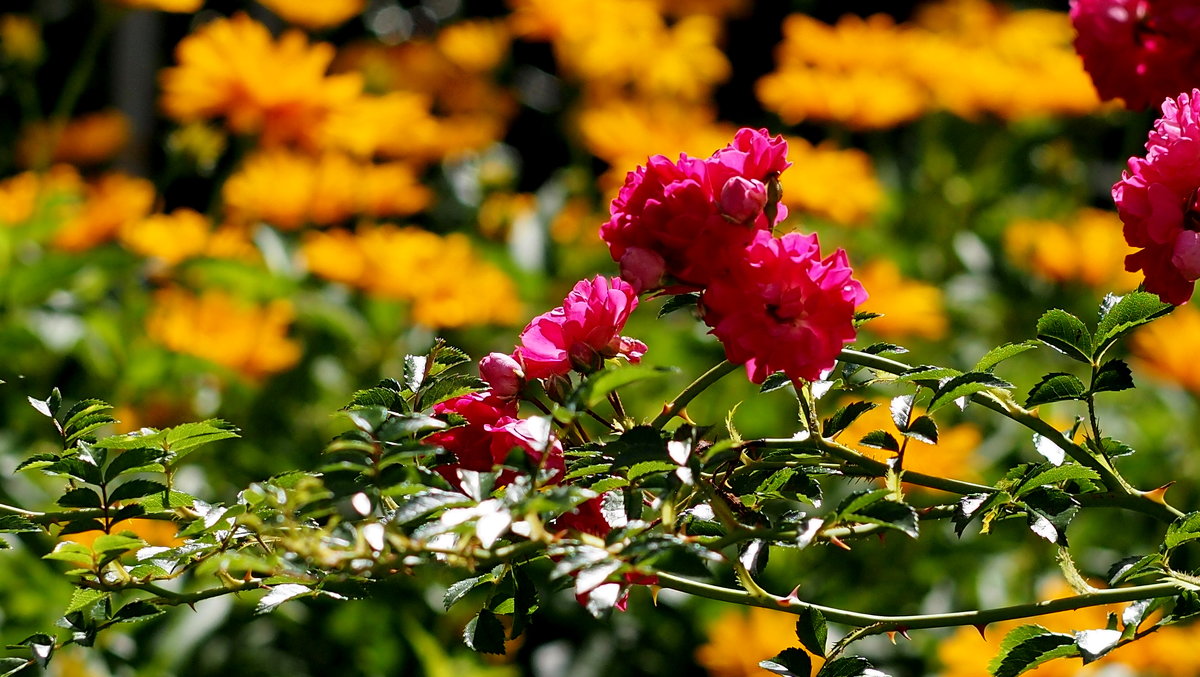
<point>1141,51</point>
<point>784,308</point>
<point>742,200</point>
<point>1157,201</point>
<point>503,374</point>
<point>582,332</point>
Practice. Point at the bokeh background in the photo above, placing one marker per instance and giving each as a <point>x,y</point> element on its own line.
<point>250,210</point>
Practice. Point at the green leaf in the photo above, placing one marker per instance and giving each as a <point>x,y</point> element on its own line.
<point>83,598</point>
<point>85,426</point>
<point>1093,644</point>
<point>1122,314</point>
<point>131,461</point>
<point>484,633</point>
<point>49,406</point>
<point>84,411</point>
<point>377,397</point>
<point>775,382</point>
<point>880,348</point>
<point>80,498</point>
<point>639,470</point>
<point>1001,353</point>
<point>640,443</point>
<point>15,524</point>
<point>459,589</point>
<point>1065,333</point>
<point>852,666</point>
<point>1027,647</point>
<point>880,439</point>
<point>971,506</point>
<point>962,386</point>
<point>136,489</point>
<point>862,317</point>
<point>116,543</point>
<point>842,418</point>
<point>679,302</point>
<point>68,551</point>
<point>189,436</point>
<point>1130,567</point>
<point>927,372</point>
<point>137,610</point>
<point>922,429</point>
<point>280,594</point>
<point>421,504</point>
<point>1047,473</point>
<point>146,438</point>
<point>1113,375</point>
<point>1055,387</point>
<point>812,631</point>
<point>789,663</point>
<point>890,514</point>
<point>38,462</point>
<point>596,387</point>
<point>445,357</point>
<point>1049,511</point>
<point>1182,530</point>
<point>449,387</point>
<point>414,371</point>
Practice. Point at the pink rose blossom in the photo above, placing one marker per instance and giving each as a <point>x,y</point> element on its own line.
<point>742,200</point>
<point>642,268</point>
<point>674,209</point>
<point>784,308</point>
<point>503,374</point>
<point>582,332</point>
<point>490,433</point>
<point>1157,201</point>
<point>1141,51</point>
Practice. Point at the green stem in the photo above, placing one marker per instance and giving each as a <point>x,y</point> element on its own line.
<point>1010,409</point>
<point>689,393</point>
<point>879,624</point>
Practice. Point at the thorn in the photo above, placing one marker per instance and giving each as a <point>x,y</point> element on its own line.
<point>981,627</point>
<point>793,597</point>
<point>892,636</point>
<point>192,605</point>
<point>654,594</point>
<point>903,633</point>
<point>1159,495</point>
<point>684,415</point>
<point>838,542</point>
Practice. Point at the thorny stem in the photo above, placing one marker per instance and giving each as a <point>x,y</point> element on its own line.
<point>689,393</point>
<point>1006,407</point>
<point>872,624</point>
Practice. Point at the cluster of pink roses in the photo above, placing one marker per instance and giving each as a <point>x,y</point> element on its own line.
<point>705,225</point>
<point>1158,199</point>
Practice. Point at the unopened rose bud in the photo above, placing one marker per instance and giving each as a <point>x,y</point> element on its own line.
<point>558,387</point>
<point>503,374</point>
<point>1186,254</point>
<point>584,358</point>
<point>643,269</point>
<point>742,199</point>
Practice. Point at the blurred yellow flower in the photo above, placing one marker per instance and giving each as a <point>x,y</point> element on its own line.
<point>160,533</point>
<point>476,46</point>
<point>909,307</point>
<point>248,338</point>
<point>832,183</point>
<point>21,39</point>
<point>1167,347</point>
<point>315,15</point>
<point>741,637</point>
<point>1055,250</point>
<point>112,201</point>
<point>24,196</point>
<point>198,143</point>
<point>718,8</point>
<point>952,457</point>
<point>184,234</point>
<point>87,140</point>
<point>233,68</point>
<point>443,277</point>
<point>163,5</point>
<point>288,189</point>
<point>970,57</point>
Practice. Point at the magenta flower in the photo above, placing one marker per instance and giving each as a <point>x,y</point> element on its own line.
<point>582,332</point>
<point>693,214</point>
<point>1157,201</point>
<point>784,308</point>
<point>1141,51</point>
<point>492,430</point>
<point>503,374</point>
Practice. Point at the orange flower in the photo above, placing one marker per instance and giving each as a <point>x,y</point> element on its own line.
<point>248,338</point>
<point>741,637</point>
<point>474,46</point>
<point>315,15</point>
<point>952,457</point>
<point>163,5</point>
<point>161,533</point>
<point>1050,250</point>
<point>838,184</point>
<point>172,237</point>
<point>909,308</point>
<point>233,68</point>
<point>87,140</point>
<point>112,201</point>
<point>1167,347</point>
<point>24,196</point>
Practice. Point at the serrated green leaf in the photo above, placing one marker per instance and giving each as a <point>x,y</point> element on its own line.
<point>595,388</point>
<point>484,633</point>
<point>1182,530</point>
<point>280,594</point>
<point>1055,387</point>
<point>1049,511</point>
<point>608,484</point>
<point>1130,567</point>
<point>38,462</point>
<point>447,388</point>
<point>131,461</point>
<point>588,471</point>
<point>82,497</point>
<point>962,386</point>
<point>1027,647</point>
<point>812,631</point>
<point>927,372</point>
<point>190,436</point>
<point>880,439</point>
<point>1125,313</point>
<point>1001,353</point>
<point>146,438</point>
<point>843,417</point>
<point>789,663</point>
<point>1050,474</point>
<point>118,543</point>
<point>11,666</point>
<point>775,382</point>
<point>15,524</point>
<point>880,348</point>
<point>459,589</point>
<point>679,302</point>
<point>75,553</point>
<point>421,504</point>
<point>1065,333</point>
<point>888,513</point>
<point>137,610</point>
<point>922,429</point>
<point>851,666</point>
<point>1113,375</point>
<point>83,411</point>
<point>84,597</point>
<point>138,488</point>
<point>414,371</point>
<point>639,470</point>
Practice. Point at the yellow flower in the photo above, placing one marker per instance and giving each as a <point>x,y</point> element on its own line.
<point>200,144</point>
<point>909,308</point>
<point>112,201</point>
<point>24,196</point>
<point>248,338</point>
<point>233,68</point>
<point>443,277</point>
<point>1167,347</point>
<point>154,532</point>
<point>87,140</point>
<point>288,189</point>
<point>173,237</point>
<point>475,46</point>
<point>1052,250</point>
<point>742,637</point>
<point>831,183</point>
<point>315,15</point>
<point>397,124</point>
<point>717,8</point>
<point>163,5</point>
<point>952,457</point>
<point>21,39</point>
